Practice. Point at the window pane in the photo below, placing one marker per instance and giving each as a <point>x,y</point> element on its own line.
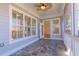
<point>17,18</point>
<point>25,21</point>
<point>14,32</point>
<point>28,31</point>
<point>68,24</point>
<point>56,26</point>
<point>17,25</point>
<point>20,32</point>
<point>20,19</point>
<point>27,26</point>
<point>33,22</point>
<point>33,26</point>
<point>56,30</point>
<point>55,21</point>
<point>28,20</point>
<point>13,17</point>
<point>33,31</point>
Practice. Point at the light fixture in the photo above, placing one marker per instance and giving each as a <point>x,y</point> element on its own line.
<point>43,6</point>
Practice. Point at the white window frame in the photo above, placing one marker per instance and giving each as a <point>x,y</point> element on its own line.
<point>11,7</point>
<point>59,26</point>
<point>32,26</point>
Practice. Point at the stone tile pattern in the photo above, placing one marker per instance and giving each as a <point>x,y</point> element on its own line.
<point>43,47</point>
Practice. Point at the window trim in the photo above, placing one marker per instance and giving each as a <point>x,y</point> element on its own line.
<point>11,7</point>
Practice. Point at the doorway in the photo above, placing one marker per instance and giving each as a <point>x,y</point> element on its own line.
<point>41,30</point>
<point>47,29</point>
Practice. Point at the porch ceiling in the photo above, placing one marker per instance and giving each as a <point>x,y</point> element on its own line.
<point>57,9</point>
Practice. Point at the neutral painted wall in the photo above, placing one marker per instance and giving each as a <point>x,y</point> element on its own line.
<point>4,23</point>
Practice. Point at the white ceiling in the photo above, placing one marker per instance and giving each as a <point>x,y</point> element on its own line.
<point>56,10</point>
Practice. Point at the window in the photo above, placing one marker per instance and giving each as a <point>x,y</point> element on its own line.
<point>33,26</point>
<point>27,26</point>
<point>68,26</point>
<point>68,13</point>
<point>17,25</point>
<point>22,26</point>
<point>56,26</point>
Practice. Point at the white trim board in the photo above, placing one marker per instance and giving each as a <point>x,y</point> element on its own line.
<point>41,34</point>
<point>54,38</point>
<point>18,48</point>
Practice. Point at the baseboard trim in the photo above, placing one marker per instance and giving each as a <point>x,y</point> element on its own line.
<point>16,49</point>
<point>53,38</point>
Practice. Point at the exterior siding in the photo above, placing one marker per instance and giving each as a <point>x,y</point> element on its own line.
<point>4,23</point>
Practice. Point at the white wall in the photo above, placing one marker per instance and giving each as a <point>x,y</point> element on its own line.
<point>4,23</point>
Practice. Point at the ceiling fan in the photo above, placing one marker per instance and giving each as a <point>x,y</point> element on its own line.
<point>43,6</point>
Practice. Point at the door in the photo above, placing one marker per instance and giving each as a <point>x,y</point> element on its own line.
<point>41,30</point>
<point>47,33</point>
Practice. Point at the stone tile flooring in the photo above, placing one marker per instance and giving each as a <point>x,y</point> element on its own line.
<point>43,47</point>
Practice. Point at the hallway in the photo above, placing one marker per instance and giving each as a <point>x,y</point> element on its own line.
<point>43,47</point>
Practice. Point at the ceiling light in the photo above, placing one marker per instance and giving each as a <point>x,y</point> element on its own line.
<point>43,7</point>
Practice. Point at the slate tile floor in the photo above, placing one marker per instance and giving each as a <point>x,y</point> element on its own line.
<point>43,47</point>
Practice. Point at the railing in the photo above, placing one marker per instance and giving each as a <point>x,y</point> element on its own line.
<point>72,43</point>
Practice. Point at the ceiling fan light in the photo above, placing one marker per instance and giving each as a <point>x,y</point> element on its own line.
<point>43,7</point>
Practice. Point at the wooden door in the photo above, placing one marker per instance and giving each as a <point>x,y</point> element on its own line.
<point>47,29</point>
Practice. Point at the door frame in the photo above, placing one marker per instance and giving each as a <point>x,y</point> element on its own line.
<point>41,36</point>
<point>50,28</point>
